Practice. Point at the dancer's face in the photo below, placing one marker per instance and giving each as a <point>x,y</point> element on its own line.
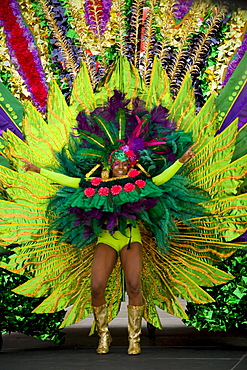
<point>120,168</point>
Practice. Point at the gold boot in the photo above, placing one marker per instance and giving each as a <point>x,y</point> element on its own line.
<point>134,328</point>
<point>101,319</point>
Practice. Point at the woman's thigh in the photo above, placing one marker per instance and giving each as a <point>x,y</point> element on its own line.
<point>103,263</point>
<point>131,260</point>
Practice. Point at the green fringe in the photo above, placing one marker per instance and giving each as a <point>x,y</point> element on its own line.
<point>230,307</point>
<point>15,313</point>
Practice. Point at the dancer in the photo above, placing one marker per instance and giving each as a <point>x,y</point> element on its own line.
<point>165,69</point>
<point>128,246</point>
<point>58,229</point>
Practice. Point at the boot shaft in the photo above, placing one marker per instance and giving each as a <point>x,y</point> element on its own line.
<point>101,319</point>
<point>135,314</point>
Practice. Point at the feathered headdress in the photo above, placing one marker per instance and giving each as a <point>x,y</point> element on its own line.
<point>114,131</point>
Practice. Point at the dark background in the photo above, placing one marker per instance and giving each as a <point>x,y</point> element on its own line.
<point>240,3</point>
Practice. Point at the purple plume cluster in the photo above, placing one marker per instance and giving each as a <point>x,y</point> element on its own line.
<point>181,8</point>
<point>141,128</point>
<point>235,62</point>
<point>97,15</point>
<point>109,220</point>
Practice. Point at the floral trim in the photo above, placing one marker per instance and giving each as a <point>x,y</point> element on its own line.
<point>134,173</point>
<point>140,183</point>
<point>96,181</point>
<point>89,192</point>
<point>23,52</point>
<point>129,187</point>
<point>116,188</point>
<point>104,191</point>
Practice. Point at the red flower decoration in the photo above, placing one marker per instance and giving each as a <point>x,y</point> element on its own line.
<point>129,187</point>
<point>103,191</point>
<point>96,181</point>
<point>116,189</point>
<point>140,183</point>
<point>129,153</point>
<point>89,192</point>
<point>133,173</point>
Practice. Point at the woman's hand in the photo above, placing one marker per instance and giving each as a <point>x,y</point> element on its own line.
<point>28,166</point>
<point>187,155</point>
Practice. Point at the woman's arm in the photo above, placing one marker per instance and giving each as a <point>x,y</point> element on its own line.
<point>59,178</point>
<point>170,171</point>
<point>167,173</point>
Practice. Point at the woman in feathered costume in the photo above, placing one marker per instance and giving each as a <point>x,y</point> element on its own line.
<point>131,192</point>
<point>57,228</point>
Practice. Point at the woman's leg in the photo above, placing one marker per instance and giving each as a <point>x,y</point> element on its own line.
<point>131,260</point>
<point>104,261</point>
<point>132,265</point>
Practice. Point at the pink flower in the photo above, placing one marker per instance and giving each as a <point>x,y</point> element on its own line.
<point>133,173</point>
<point>89,192</point>
<point>140,183</point>
<point>129,187</point>
<point>96,181</point>
<point>116,189</point>
<point>103,191</point>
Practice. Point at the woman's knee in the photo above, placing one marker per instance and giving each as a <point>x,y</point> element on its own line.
<point>133,288</point>
<point>97,289</point>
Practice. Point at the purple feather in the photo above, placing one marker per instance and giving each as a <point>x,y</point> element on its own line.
<point>97,15</point>
<point>138,110</point>
<point>142,204</point>
<point>107,219</point>
<point>116,102</point>
<point>112,222</point>
<point>138,144</point>
<point>86,123</point>
<point>171,157</point>
<point>181,8</point>
<point>159,116</point>
<point>235,62</point>
<point>139,107</point>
